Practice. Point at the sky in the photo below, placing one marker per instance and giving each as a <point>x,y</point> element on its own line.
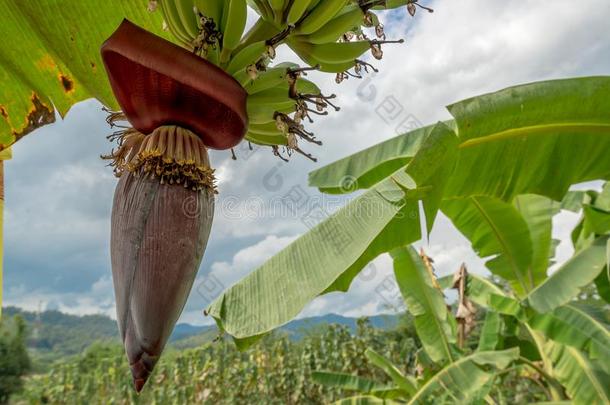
<point>59,192</point>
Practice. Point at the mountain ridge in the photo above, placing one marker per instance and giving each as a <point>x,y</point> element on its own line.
<point>53,334</point>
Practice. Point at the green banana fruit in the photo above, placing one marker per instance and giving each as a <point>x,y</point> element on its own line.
<point>233,24</point>
<point>260,31</point>
<point>247,56</point>
<point>212,9</point>
<point>298,9</point>
<point>274,96</point>
<point>267,140</point>
<point>186,13</point>
<point>324,12</point>
<point>263,109</point>
<point>278,7</point>
<point>329,54</point>
<point>270,78</point>
<point>346,21</point>
<point>172,19</point>
<point>269,128</point>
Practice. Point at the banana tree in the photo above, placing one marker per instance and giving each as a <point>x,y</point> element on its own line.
<point>497,170</point>
<point>563,342</point>
<point>177,77</point>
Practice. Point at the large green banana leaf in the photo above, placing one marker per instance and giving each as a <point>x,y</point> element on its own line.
<point>517,234</point>
<point>538,138</point>
<point>579,327</point>
<point>584,380</point>
<point>491,332</point>
<point>538,213</point>
<point>329,256</point>
<point>50,59</point>
<point>426,303</point>
<point>368,167</point>
<point>566,282</point>
<point>496,228</point>
<point>266,298</point>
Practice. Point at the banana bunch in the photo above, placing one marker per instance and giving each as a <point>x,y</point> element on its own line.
<point>328,35</point>
<point>211,28</point>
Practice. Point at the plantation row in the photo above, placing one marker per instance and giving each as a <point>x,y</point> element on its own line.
<point>277,371</point>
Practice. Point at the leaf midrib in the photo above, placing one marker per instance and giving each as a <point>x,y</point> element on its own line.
<point>577,356</point>
<point>537,130</point>
<point>503,243</point>
<point>437,322</point>
<point>595,323</point>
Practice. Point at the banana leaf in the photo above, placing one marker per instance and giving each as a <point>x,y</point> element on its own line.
<point>538,138</point>
<point>584,380</point>
<point>329,256</point>
<point>566,282</point>
<point>496,228</point>
<point>426,303</point>
<point>50,59</point>
<point>578,326</point>
<point>406,384</point>
<point>463,379</point>
<point>491,332</point>
<point>347,382</point>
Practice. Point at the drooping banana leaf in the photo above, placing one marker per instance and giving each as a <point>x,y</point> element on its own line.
<point>517,234</point>
<point>520,140</point>
<point>464,378</point>
<point>278,290</point>
<point>426,303</point>
<point>496,228</point>
<point>584,379</point>
<point>50,59</point>
<point>573,275</point>
<point>347,382</point>
<point>329,256</point>
<point>406,384</point>
<point>578,327</point>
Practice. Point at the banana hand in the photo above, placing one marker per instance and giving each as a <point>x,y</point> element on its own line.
<point>324,12</point>
<point>232,26</point>
<point>211,9</point>
<point>348,20</point>
<point>298,9</point>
